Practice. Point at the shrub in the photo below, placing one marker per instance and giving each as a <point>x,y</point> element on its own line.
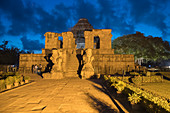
<point>17,74</point>
<point>17,79</point>
<point>137,80</point>
<point>151,102</point>
<point>120,86</point>
<point>134,98</point>
<point>26,77</point>
<point>105,77</point>
<point>134,73</point>
<point>154,78</point>
<point>4,75</point>
<point>10,73</point>
<point>9,80</point>
<point>112,79</point>
<point>2,84</point>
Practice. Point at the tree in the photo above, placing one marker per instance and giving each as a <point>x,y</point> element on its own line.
<point>150,48</point>
<point>10,56</point>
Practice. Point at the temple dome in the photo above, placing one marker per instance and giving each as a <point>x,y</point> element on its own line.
<point>81,26</point>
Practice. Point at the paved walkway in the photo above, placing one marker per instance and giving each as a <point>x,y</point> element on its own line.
<point>69,95</point>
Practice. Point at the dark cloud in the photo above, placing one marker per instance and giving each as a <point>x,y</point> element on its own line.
<point>31,44</point>
<point>119,15</point>
<point>103,16</point>
<point>150,12</point>
<point>35,19</point>
<point>2,29</point>
<point>22,18</point>
<point>115,18</point>
<point>140,9</point>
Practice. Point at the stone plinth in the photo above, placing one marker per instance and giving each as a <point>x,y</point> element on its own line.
<point>54,75</point>
<point>87,73</point>
<point>87,70</point>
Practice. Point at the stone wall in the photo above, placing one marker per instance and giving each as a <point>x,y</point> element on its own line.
<point>27,60</point>
<point>112,64</point>
<point>51,40</point>
<point>104,36</point>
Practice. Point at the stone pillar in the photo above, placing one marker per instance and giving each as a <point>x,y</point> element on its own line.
<point>56,41</point>
<point>68,40</point>
<point>105,39</point>
<point>47,34</point>
<point>89,39</point>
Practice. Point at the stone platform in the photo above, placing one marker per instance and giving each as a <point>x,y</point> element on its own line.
<point>57,75</point>
<point>68,95</point>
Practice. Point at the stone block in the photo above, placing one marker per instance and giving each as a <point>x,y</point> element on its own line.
<point>87,74</point>
<point>54,75</point>
<point>57,75</point>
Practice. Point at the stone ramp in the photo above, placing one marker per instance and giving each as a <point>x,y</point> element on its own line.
<point>33,76</point>
<point>69,95</point>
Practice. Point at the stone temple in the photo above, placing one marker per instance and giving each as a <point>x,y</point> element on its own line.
<point>82,52</point>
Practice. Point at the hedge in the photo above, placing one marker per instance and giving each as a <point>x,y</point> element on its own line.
<point>150,101</point>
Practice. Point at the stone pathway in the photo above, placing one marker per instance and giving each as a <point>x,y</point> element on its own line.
<point>69,95</point>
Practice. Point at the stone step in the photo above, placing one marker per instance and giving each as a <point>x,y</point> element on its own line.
<point>33,76</point>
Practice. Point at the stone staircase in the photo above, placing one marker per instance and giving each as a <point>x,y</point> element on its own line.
<point>72,65</point>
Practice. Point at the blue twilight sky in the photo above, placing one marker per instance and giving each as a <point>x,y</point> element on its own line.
<point>24,22</point>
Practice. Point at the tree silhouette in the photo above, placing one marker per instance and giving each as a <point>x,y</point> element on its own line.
<point>10,56</point>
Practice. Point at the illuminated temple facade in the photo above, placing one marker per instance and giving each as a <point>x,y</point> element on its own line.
<point>66,56</point>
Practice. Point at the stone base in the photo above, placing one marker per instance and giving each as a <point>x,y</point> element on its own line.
<point>71,74</point>
<point>54,75</point>
<point>87,74</point>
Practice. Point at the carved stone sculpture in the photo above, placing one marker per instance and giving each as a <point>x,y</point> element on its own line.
<point>57,69</point>
<point>57,60</point>
<point>87,70</point>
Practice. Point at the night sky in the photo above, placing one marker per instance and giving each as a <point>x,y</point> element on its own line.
<point>24,22</point>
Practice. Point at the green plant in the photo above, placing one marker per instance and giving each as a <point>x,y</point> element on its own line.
<point>10,73</point>
<point>105,77</point>
<point>113,80</point>
<point>4,75</point>
<point>17,79</point>
<point>134,98</point>
<point>17,74</point>
<point>9,80</point>
<point>137,80</point>
<point>120,86</point>
<point>27,78</point>
<point>151,102</point>
<point>134,73</point>
<point>2,84</point>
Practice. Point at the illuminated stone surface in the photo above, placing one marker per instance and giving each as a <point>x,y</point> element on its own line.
<point>69,95</point>
<point>68,64</point>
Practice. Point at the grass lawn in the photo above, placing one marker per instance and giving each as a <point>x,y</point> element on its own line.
<point>162,89</point>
